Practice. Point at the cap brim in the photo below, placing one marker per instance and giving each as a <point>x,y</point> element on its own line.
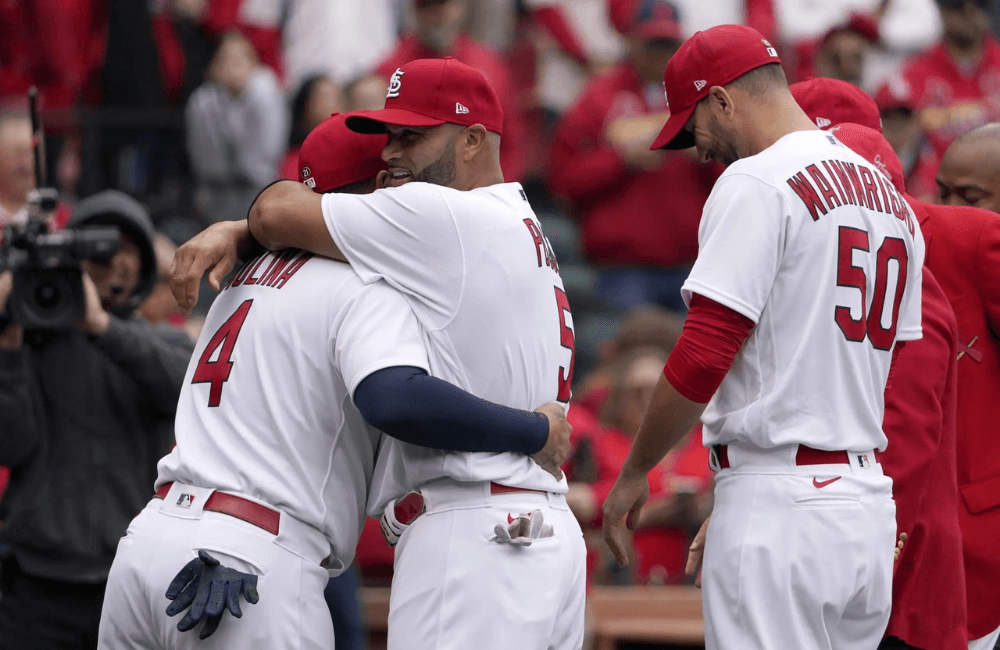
<point>373,122</point>
<point>673,135</point>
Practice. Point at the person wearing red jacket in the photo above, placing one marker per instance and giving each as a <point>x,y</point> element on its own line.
<point>956,84</point>
<point>920,413</point>
<point>929,605</point>
<point>680,486</point>
<point>602,166</point>
<point>963,253</point>
<point>439,34</point>
<point>44,43</point>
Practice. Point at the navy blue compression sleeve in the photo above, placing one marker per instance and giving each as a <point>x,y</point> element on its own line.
<point>409,405</point>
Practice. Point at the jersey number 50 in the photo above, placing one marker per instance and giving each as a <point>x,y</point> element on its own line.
<point>217,372</point>
<point>849,275</point>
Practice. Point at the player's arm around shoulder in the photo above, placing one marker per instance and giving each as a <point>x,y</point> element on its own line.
<point>288,214</point>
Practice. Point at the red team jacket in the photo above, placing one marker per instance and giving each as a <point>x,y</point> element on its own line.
<point>928,587</point>
<point>490,64</point>
<point>952,101</point>
<point>963,253</point>
<point>613,201</point>
<point>659,551</point>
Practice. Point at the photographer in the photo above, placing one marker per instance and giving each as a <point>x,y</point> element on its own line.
<point>85,414</point>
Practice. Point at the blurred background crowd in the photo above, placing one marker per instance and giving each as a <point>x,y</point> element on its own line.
<point>192,106</point>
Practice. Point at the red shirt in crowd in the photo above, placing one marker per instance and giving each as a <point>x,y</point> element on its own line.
<point>928,586</point>
<point>493,67</point>
<point>952,99</point>
<point>628,217</point>
<point>660,552</point>
<point>48,44</point>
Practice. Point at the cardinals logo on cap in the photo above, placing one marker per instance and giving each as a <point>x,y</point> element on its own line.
<point>395,83</point>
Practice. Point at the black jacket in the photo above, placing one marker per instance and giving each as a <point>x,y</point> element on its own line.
<point>83,422</point>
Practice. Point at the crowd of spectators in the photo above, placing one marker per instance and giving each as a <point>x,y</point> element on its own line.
<point>192,106</point>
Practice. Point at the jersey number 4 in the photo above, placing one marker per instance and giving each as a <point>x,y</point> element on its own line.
<point>217,372</point>
<point>850,275</point>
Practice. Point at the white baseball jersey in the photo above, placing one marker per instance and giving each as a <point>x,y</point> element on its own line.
<point>484,284</point>
<point>266,407</point>
<point>814,245</point>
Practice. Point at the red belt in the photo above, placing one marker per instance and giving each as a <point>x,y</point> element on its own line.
<point>804,456</point>
<point>496,488</point>
<point>411,506</point>
<point>236,506</point>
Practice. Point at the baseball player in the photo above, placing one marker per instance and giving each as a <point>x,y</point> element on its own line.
<point>808,273</point>
<point>269,479</point>
<point>467,252</point>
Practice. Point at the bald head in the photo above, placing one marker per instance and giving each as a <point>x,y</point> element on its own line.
<point>970,170</point>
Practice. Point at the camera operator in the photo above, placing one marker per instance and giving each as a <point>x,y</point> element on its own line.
<point>85,414</point>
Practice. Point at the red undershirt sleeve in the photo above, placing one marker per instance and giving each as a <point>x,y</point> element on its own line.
<point>712,335</point>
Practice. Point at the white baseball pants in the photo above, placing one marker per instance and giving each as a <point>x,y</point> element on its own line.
<point>291,613</point>
<point>455,589</point>
<point>797,561</point>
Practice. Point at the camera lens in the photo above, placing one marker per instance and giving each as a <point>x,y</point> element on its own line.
<point>46,295</point>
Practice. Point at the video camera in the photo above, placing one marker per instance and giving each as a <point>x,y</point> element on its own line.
<point>47,291</point>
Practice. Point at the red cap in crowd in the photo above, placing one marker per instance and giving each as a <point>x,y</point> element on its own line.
<point>861,24</point>
<point>710,58</point>
<point>647,19</point>
<point>873,147</point>
<point>829,102</point>
<point>896,93</point>
<point>430,92</point>
<point>333,156</point>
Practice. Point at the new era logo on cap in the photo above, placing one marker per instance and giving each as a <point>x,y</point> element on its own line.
<point>460,110</point>
<point>822,122</point>
<point>701,83</point>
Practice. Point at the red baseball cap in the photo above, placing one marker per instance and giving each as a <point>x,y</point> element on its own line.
<point>896,93</point>
<point>710,58</point>
<point>333,156</point>
<point>861,24</point>
<point>430,92</point>
<point>873,147</point>
<point>647,19</point>
<point>829,102</point>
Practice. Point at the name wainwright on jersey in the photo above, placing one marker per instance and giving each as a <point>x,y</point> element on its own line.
<point>283,266</point>
<point>855,185</point>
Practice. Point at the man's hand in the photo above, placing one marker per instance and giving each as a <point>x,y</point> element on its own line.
<point>209,589</point>
<point>12,337</point>
<point>95,319</point>
<point>557,447</point>
<point>629,494</point>
<point>215,250</point>
<point>696,552</point>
